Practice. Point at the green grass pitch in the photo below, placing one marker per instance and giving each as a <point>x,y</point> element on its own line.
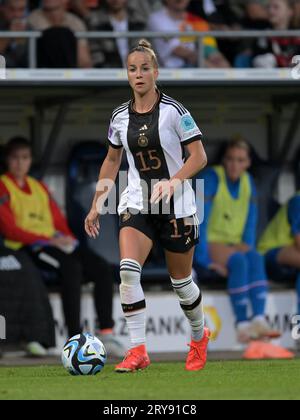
<point>163,381</point>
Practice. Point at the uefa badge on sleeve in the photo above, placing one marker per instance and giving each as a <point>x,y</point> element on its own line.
<point>2,68</point>
<point>187,123</point>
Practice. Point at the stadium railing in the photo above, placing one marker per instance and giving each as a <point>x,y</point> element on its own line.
<point>33,36</point>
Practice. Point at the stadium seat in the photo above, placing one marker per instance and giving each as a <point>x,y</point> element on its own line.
<point>83,170</point>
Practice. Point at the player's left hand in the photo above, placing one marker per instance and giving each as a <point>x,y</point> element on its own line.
<point>164,189</point>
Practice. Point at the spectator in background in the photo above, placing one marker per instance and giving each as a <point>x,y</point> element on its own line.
<point>224,15</point>
<point>30,219</point>
<point>280,243</point>
<point>277,52</point>
<point>296,19</point>
<point>182,52</point>
<point>53,14</point>
<point>82,8</point>
<point>13,17</point>
<point>144,8</point>
<point>114,16</point>
<point>228,239</point>
<point>141,8</point>
<point>256,11</point>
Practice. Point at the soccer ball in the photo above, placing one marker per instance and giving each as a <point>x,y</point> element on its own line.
<point>84,354</point>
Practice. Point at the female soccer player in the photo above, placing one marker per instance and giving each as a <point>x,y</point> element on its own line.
<point>228,240</point>
<point>154,129</point>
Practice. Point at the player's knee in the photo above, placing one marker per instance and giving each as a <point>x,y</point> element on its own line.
<point>130,272</point>
<point>254,258</point>
<point>238,261</point>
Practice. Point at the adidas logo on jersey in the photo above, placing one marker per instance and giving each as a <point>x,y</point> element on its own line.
<point>144,128</point>
<point>188,241</point>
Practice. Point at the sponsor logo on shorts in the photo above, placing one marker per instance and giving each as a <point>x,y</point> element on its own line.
<point>126,217</point>
<point>188,241</point>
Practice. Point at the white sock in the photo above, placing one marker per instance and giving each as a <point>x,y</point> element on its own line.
<point>190,299</point>
<point>133,301</point>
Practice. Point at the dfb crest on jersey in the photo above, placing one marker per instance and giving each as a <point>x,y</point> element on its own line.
<point>126,217</point>
<point>143,140</point>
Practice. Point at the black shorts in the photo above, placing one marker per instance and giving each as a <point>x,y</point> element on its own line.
<point>174,235</point>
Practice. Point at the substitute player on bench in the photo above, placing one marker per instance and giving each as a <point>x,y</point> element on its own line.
<point>228,240</point>
<point>280,243</point>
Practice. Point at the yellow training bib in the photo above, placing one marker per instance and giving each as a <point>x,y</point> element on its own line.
<point>229,215</point>
<point>32,212</point>
<point>279,232</point>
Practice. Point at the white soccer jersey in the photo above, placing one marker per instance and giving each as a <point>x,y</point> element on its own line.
<point>154,143</point>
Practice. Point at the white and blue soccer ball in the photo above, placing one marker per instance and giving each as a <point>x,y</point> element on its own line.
<point>84,354</point>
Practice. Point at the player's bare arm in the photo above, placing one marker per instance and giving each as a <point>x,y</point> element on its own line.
<point>195,163</point>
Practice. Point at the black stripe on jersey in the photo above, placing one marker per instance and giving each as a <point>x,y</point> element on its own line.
<point>114,146</point>
<point>174,100</point>
<point>164,101</point>
<point>192,140</point>
<point>118,111</point>
<point>148,156</point>
<point>121,106</point>
<point>183,109</point>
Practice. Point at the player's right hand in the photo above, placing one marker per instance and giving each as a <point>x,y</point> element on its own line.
<point>92,224</point>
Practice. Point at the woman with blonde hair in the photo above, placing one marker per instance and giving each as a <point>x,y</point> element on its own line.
<point>154,129</point>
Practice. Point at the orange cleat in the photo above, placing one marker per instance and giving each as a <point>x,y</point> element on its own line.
<point>135,359</point>
<point>197,356</point>
<point>266,351</point>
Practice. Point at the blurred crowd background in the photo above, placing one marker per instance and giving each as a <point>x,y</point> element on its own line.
<point>59,20</point>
